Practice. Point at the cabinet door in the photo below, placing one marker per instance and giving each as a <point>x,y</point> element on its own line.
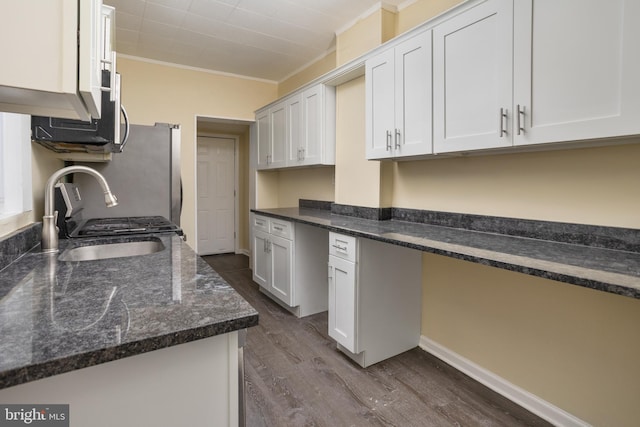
<point>261,258</point>
<point>264,136</point>
<point>281,252</point>
<point>473,78</point>
<point>39,75</point>
<point>413,97</point>
<point>379,105</point>
<point>342,302</point>
<point>294,137</point>
<point>89,52</point>
<point>312,141</point>
<point>576,65</point>
<point>278,123</point>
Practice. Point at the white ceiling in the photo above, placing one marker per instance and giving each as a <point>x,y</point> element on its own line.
<point>266,39</point>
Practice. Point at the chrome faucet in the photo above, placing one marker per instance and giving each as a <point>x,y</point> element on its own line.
<point>49,229</point>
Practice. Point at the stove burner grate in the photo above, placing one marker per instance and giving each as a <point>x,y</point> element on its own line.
<point>126,225</point>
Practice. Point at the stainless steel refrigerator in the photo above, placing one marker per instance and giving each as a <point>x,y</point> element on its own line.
<point>145,177</point>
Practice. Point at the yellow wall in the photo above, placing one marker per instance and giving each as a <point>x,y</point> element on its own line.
<point>418,12</point>
<point>160,93</point>
<point>588,186</point>
<point>366,34</point>
<point>318,68</point>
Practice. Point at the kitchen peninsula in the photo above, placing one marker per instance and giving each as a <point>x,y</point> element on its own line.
<point>143,340</point>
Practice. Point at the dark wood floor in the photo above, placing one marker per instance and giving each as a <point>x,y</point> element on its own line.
<point>296,377</point>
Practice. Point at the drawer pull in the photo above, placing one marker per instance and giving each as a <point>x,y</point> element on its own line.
<point>340,248</point>
<point>278,228</point>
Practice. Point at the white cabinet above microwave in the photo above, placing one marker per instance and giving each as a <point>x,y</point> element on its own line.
<point>52,58</point>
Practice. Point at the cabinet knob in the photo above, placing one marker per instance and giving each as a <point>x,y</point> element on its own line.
<point>388,140</point>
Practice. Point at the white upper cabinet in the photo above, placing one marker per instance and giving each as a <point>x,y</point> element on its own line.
<point>516,73</point>
<point>473,78</point>
<point>318,143</point>
<point>398,84</point>
<point>278,126</point>
<point>576,70</point>
<point>294,128</point>
<point>302,130</point>
<point>264,140</point>
<point>52,52</point>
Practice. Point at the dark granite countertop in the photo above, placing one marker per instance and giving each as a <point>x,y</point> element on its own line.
<point>610,270</point>
<point>58,316</point>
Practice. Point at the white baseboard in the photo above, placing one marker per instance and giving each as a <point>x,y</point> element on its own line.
<point>529,401</point>
<point>243,252</point>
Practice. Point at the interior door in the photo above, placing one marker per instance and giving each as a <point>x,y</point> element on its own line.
<point>216,195</point>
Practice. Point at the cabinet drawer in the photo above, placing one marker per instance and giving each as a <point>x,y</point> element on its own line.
<point>281,228</point>
<point>261,223</point>
<point>342,246</point>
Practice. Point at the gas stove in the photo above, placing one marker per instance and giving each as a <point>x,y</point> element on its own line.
<point>99,227</point>
<point>71,224</point>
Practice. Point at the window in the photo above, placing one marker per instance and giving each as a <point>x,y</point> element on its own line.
<point>15,164</point>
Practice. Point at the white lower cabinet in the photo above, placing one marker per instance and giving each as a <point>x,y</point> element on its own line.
<point>374,298</point>
<point>191,384</point>
<point>289,264</point>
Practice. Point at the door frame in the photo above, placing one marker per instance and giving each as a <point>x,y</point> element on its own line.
<point>236,181</point>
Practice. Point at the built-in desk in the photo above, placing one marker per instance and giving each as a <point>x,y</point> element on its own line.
<point>602,258</point>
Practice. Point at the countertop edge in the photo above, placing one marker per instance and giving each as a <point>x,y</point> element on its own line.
<point>17,376</point>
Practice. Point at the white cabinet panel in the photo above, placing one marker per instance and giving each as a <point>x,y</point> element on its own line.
<point>413,97</point>
<point>289,263</point>
<point>261,259</point>
<point>473,78</point>
<point>54,71</point>
<point>89,53</point>
<point>301,130</point>
<point>278,124</point>
<point>374,298</point>
<point>576,67</point>
<point>281,269</point>
<point>342,302</point>
<point>318,143</point>
<point>294,129</point>
<point>380,93</point>
<point>264,138</point>
<point>398,84</point>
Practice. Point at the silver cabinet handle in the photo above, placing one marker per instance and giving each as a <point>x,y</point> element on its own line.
<point>520,119</point>
<point>330,273</point>
<point>388,140</point>
<point>278,228</point>
<point>340,248</point>
<point>304,153</point>
<point>397,141</point>
<point>503,120</point>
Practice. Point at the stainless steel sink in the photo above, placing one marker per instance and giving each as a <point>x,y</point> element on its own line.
<point>112,250</point>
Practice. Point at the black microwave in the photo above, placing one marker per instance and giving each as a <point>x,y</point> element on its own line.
<point>98,135</point>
